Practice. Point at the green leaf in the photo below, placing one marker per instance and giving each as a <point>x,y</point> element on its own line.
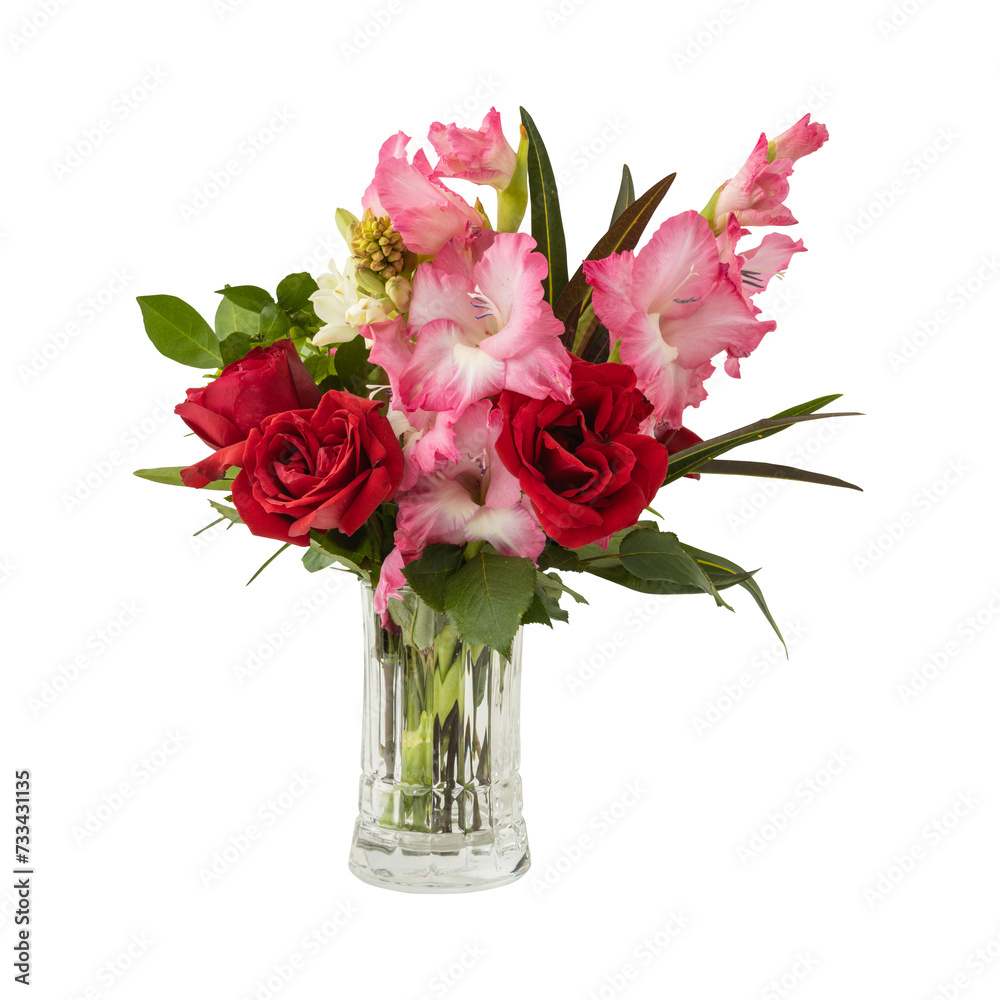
<point>513,199</point>
<point>428,576</point>
<point>546,220</point>
<point>353,551</point>
<point>235,347</point>
<point>171,476</point>
<point>294,291</point>
<point>486,598</point>
<point>320,366</point>
<point>248,297</point>
<point>231,318</point>
<point>268,562</point>
<point>544,607</point>
<point>691,459</point>
<point>229,513</point>
<point>626,194</point>
<point>654,555</point>
<point>623,235</point>
<point>352,366</point>
<point>767,470</point>
<point>179,332</point>
<point>417,622</point>
<point>274,323</point>
<point>717,566</point>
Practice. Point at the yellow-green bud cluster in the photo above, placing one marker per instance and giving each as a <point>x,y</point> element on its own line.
<point>378,246</point>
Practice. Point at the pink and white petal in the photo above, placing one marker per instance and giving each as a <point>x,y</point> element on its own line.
<point>652,359</point>
<point>436,510</point>
<point>426,447</point>
<point>538,371</point>
<point>800,140</point>
<point>762,263</point>
<point>737,193</point>
<point>447,372</point>
<point>611,279</point>
<point>426,214</point>
<point>392,348</point>
<point>724,321</point>
<point>390,581</point>
<point>441,294</point>
<point>677,267</point>
<point>510,275</point>
<point>512,531</point>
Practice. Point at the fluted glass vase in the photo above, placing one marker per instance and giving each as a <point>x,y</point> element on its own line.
<point>440,793</point>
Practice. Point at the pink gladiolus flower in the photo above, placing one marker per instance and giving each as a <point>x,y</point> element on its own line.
<point>752,270</point>
<point>427,436</point>
<point>481,155</point>
<point>674,307</point>
<point>423,211</point>
<point>756,195</point>
<point>473,499</point>
<point>390,581</point>
<point>482,325</point>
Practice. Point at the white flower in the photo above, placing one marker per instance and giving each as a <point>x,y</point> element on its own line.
<point>341,306</point>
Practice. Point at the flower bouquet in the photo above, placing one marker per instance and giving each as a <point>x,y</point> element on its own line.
<point>460,423</point>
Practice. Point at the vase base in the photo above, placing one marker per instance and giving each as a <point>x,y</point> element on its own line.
<point>437,862</point>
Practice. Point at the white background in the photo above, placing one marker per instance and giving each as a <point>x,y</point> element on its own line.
<point>876,886</point>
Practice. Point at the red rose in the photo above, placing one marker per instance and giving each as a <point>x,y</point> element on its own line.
<point>318,469</point>
<point>585,465</point>
<point>268,380</point>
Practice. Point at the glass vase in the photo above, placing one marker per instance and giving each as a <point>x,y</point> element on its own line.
<point>440,793</point>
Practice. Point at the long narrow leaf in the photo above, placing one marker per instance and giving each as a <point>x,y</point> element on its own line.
<point>546,221</point>
<point>690,459</point>
<point>268,563</point>
<point>713,564</point>
<point>626,194</point>
<point>623,235</point>
<point>767,470</point>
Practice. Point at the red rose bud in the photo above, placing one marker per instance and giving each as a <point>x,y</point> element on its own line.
<point>318,469</point>
<point>268,380</point>
<point>586,467</point>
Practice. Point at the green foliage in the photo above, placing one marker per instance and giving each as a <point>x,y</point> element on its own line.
<point>487,597</point>
<point>546,219</point>
<point>179,332</point>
